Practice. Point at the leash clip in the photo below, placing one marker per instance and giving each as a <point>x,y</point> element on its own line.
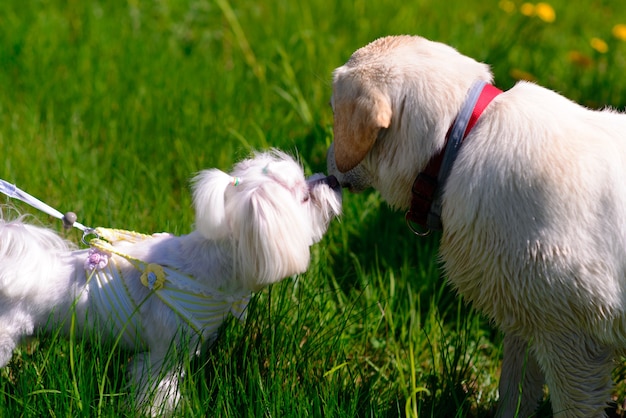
<point>87,232</point>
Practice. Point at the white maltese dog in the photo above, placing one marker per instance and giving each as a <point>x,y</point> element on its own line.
<point>162,295</point>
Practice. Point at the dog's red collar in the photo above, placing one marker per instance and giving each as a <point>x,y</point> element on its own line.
<point>425,210</point>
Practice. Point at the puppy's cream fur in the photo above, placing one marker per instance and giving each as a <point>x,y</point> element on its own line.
<point>254,227</point>
<point>534,210</point>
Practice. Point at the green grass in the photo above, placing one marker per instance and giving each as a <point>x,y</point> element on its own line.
<point>108,108</point>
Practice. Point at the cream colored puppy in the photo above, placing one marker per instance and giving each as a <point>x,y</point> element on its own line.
<point>533,208</point>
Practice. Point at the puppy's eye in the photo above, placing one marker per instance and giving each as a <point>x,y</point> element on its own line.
<point>306,197</point>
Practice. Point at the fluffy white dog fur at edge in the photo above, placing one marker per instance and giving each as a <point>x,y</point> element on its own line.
<point>534,209</point>
<point>254,227</point>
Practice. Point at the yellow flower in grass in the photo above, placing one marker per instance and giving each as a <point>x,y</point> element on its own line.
<point>507,5</point>
<point>153,277</point>
<point>599,45</point>
<point>527,9</point>
<point>542,10</point>
<point>518,74</point>
<point>545,12</point>
<point>619,31</point>
<point>580,59</point>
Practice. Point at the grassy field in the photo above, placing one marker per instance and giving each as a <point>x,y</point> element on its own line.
<point>108,110</point>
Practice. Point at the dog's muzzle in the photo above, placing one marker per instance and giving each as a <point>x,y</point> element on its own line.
<point>331,181</point>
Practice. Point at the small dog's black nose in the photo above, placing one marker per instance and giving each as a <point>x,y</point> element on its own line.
<point>331,181</point>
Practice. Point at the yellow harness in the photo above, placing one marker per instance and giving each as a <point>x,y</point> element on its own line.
<point>202,309</point>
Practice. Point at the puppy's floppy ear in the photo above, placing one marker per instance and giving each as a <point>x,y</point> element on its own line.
<point>358,119</point>
<point>209,187</point>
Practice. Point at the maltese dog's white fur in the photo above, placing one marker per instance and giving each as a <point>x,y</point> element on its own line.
<point>254,227</point>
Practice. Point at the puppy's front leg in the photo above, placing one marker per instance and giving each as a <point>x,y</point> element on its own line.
<point>521,380</point>
<point>155,382</point>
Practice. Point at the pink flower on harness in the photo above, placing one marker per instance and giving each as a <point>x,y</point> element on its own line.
<point>96,259</point>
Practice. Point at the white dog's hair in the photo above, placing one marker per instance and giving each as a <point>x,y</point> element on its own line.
<point>254,227</point>
<point>534,209</point>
